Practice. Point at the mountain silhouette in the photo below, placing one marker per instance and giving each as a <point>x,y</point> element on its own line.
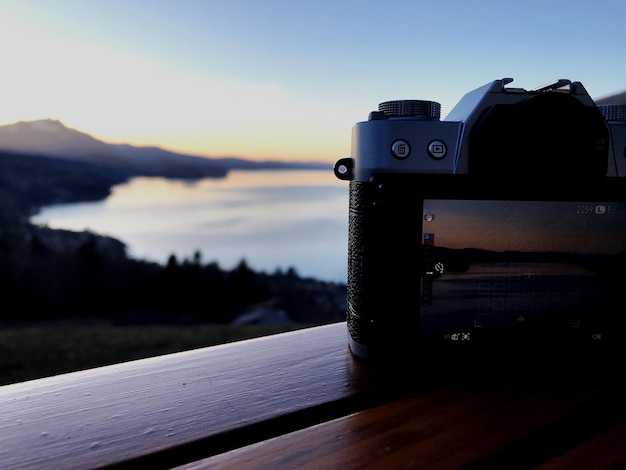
<point>617,98</point>
<point>49,137</point>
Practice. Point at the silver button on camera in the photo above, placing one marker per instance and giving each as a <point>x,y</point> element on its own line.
<point>400,149</point>
<point>437,149</point>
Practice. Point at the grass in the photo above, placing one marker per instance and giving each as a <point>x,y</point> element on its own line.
<point>43,349</point>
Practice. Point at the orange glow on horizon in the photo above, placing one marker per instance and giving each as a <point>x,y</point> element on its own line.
<point>121,97</point>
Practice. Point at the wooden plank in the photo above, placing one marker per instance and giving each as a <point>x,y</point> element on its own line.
<point>512,426</point>
<point>180,407</point>
<point>300,397</point>
<point>607,450</point>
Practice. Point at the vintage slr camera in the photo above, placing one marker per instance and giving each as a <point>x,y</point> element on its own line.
<point>504,223</point>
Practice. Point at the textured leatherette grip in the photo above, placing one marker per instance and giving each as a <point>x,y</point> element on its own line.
<point>359,262</point>
<point>384,261</point>
<point>357,245</point>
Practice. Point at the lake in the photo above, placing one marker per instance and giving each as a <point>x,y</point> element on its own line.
<point>272,219</point>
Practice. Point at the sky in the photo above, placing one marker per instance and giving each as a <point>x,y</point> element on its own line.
<point>284,79</point>
<point>566,226</point>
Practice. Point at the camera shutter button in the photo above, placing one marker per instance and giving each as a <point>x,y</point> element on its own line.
<point>437,149</point>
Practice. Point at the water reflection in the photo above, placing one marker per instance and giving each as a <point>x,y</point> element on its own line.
<point>273,219</point>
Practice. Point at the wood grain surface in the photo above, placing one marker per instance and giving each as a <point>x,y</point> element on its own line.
<point>300,400</point>
<point>174,408</point>
<point>513,426</point>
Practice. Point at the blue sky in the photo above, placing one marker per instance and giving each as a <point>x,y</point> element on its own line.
<point>284,79</point>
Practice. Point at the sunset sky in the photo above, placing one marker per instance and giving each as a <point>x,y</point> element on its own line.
<point>284,79</point>
<point>572,227</point>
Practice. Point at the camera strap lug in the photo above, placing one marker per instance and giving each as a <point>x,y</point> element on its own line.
<point>344,169</point>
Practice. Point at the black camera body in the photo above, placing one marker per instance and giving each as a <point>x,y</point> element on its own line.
<point>503,224</point>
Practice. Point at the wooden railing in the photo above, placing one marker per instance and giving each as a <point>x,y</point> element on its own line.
<point>300,400</point>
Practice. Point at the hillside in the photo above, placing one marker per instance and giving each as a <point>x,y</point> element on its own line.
<point>47,274</point>
<point>28,182</point>
<point>617,98</point>
<point>51,138</point>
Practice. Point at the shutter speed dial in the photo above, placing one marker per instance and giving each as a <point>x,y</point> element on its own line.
<point>411,108</point>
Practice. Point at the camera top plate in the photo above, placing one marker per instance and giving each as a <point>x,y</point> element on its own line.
<point>555,130</point>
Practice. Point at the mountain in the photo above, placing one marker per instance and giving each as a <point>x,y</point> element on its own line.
<point>617,98</point>
<point>241,164</point>
<point>52,138</point>
<point>28,182</point>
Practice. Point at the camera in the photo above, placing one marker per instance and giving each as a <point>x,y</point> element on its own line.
<point>502,224</point>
